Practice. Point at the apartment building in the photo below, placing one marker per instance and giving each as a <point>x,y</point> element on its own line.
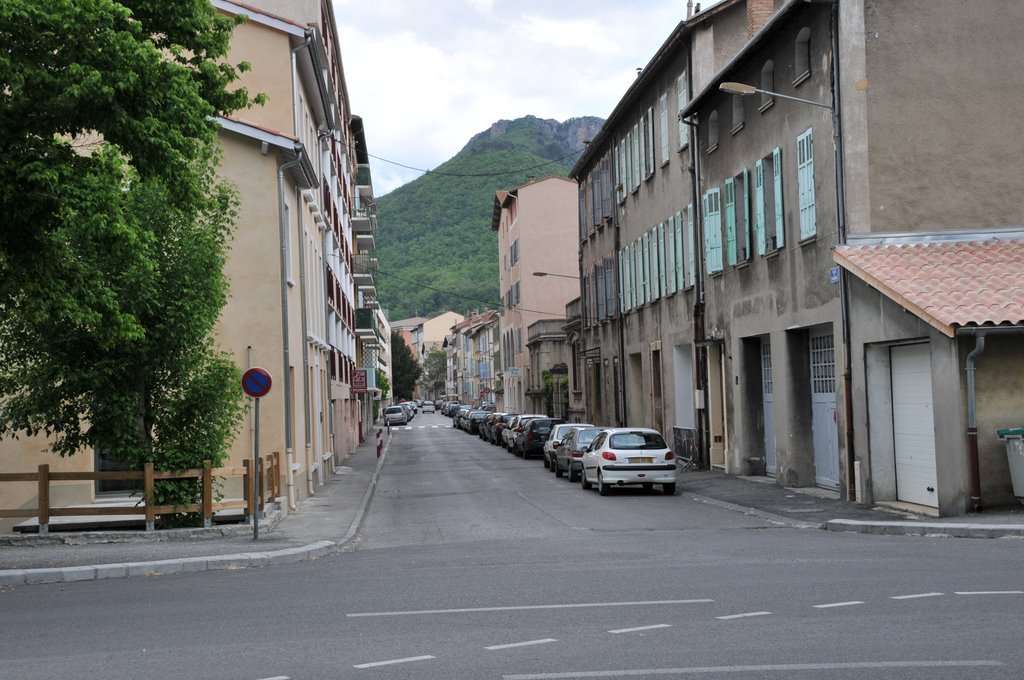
<point>788,247</point>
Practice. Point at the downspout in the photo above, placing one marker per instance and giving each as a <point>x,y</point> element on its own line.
<point>973,467</point>
<point>698,276</point>
<point>282,217</point>
<point>844,292</point>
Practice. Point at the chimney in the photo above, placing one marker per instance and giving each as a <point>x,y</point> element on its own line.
<point>758,14</point>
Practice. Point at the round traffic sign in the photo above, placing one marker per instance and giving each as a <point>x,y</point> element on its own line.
<point>256,382</point>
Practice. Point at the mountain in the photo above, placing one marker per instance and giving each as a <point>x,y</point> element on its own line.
<point>434,241</point>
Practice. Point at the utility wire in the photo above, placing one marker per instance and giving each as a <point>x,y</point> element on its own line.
<point>490,304</point>
<point>475,174</point>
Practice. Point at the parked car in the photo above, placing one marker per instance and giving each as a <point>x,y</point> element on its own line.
<point>499,426</point>
<point>554,439</point>
<point>535,436</point>
<point>428,407</point>
<point>508,433</point>
<point>395,415</point>
<point>520,429</point>
<point>487,427</point>
<point>629,455</point>
<point>410,413</point>
<point>460,416</point>
<point>475,420</point>
<point>569,454</point>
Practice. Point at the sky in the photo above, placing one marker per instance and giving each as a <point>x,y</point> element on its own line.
<point>427,75</point>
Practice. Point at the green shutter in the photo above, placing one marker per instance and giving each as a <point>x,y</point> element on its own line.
<point>759,230</point>
<point>780,226</point>
<point>805,183</point>
<point>691,247</point>
<point>729,189</point>
<point>662,269</point>
<point>745,236</point>
<point>680,270</point>
<point>622,283</point>
<point>671,281</point>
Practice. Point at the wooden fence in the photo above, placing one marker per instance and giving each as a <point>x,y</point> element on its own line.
<point>269,489</point>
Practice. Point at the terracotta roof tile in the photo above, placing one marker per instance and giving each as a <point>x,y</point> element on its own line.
<point>949,285</point>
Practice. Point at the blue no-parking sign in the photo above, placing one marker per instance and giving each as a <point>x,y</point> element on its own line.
<point>256,382</point>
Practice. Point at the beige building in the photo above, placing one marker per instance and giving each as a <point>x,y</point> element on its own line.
<point>539,271</point>
<point>430,334</point>
<point>306,212</point>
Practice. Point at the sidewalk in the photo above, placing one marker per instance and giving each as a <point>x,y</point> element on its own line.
<point>331,518</point>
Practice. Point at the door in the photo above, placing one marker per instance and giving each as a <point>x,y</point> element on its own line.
<point>913,424</point>
<point>823,410</point>
<point>771,464</point>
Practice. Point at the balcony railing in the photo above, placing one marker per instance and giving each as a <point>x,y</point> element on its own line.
<point>363,264</point>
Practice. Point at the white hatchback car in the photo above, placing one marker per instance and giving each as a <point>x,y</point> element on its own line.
<point>629,455</point>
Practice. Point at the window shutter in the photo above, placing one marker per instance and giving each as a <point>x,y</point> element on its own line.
<point>596,184</point>
<point>609,288</point>
<point>680,252</point>
<point>681,94</point>
<point>671,282</point>
<point>745,236</point>
<point>583,210</point>
<point>622,287</point>
<point>617,181</point>
<point>805,183</point>
<point>713,230</point>
<point>649,122</point>
<point>628,165</point>
<point>663,128</point>
<point>730,219</point>
<point>759,231</point>
<point>623,185</point>
<point>638,258</point>
<point>780,227</point>
<point>599,280</point>
<point>606,187</point>
<point>662,269</point>
<point>631,269</point>
<point>691,247</point>
<point>637,153</point>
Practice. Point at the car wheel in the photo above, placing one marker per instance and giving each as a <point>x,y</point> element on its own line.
<point>669,489</point>
<point>574,476</point>
<point>556,468</point>
<point>583,479</point>
<point>602,488</point>
<point>547,463</point>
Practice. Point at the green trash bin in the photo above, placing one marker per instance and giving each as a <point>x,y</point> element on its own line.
<point>1014,438</point>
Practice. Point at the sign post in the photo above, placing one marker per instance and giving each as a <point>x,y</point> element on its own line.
<point>256,383</point>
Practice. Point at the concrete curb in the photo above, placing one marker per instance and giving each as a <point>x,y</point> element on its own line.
<point>930,529</point>
<point>768,516</point>
<point>15,577</point>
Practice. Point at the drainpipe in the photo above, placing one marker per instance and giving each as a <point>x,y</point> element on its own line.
<point>282,218</point>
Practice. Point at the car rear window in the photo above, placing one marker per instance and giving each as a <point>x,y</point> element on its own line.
<point>637,440</point>
<point>584,437</point>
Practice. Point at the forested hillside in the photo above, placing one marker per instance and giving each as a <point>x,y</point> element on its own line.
<point>434,240</point>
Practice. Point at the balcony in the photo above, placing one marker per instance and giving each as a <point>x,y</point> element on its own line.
<point>363,266</point>
<point>365,242</point>
<point>364,219</point>
<point>364,184</point>
<point>366,326</point>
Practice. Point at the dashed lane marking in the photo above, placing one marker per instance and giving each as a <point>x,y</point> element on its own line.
<point>830,605</point>
<point>760,669</point>
<point>393,661</point>
<point>915,596</point>
<point>527,643</point>
<point>637,629</point>
<point>585,605</point>
<point>990,592</point>
<point>742,616</point>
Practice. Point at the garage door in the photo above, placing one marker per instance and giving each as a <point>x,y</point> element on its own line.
<point>913,424</point>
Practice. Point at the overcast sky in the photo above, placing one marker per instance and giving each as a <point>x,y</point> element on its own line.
<point>427,75</point>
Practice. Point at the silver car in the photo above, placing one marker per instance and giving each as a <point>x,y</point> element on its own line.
<point>554,439</point>
<point>395,415</point>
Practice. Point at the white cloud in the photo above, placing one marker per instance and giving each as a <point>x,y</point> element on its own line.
<point>426,77</point>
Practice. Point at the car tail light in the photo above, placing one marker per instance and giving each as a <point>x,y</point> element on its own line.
<point>529,436</point>
<point>608,455</point>
<point>576,453</point>
<point>670,456</point>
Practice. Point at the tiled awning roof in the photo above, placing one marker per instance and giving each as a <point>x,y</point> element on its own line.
<point>949,285</point>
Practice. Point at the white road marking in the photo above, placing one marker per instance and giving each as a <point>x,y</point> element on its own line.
<point>468,610</point>
<point>766,668</point>
<point>522,644</point>
<point>277,677</point>
<point>990,592</point>
<point>913,597</point>
<point>639,628</point>
<point>392,661</point>
<point>837,604</point>
<point>742,616</point>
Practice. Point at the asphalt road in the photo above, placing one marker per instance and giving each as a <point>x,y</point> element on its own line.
<point>473,563</point>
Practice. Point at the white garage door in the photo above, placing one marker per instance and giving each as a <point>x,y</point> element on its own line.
<point>913,425</point>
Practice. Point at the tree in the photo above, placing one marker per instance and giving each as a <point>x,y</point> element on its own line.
<point>111,257</point>
<point>435,370</point>
<point>405,370</point>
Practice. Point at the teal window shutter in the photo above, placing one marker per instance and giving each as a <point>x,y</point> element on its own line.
<point>805,183</point>
<point>713,230</point>
<point>622,283</point>
<point>655,269</point>
<point>671,280</point>
<point>663,125</point>
<point>745,236</point>
<point>637,152</point>
<point>759,231</point>
<point>681,95</point>
<point>691,247</point>
<point>680,281</point>
<point>662,269</point>
<point>780,227</point>
<point>729,189</point>
<point>646,257</point>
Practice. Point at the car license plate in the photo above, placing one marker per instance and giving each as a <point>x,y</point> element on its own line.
<point>641,460</point>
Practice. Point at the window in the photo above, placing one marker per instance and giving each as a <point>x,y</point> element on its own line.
<point>729,198</point>
<point>691,241</point>
<point>682,96</point>
<point>583,210</point>
<point>767,84</point>
<point>513,253</point>
<point>649,138</point>
<point>713,230</point>
<point>713,131</point>
<point>671,280</point>
<point>606,187</point>
<point>609,286</point>
<point>679,252</point>
<point>645,254</point>
<point>616,156</point>
<point>663,127</point>
<point>805,183</point>
<point>599,290</point>
<point>622,282</point>
<point>637,151</point>
<point>738,113</point>
<point>769,229</point>
<point>742,181</point>
<point>596,185</point>
<point>802,56</point>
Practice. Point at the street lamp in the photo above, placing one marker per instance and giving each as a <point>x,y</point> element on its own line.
<point>743,89</point>
<point>563,276</point>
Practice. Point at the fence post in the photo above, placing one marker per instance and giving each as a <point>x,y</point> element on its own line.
<point>207,494</point>
<point>44,499</point>
<point>149,495</point>
<point>380,440</point>
<point>247,490</point>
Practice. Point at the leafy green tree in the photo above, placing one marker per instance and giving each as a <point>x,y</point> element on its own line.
<point>405,370</point>
<point>384,386</point>
<point>115,229</point>
<point>435,370</point>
